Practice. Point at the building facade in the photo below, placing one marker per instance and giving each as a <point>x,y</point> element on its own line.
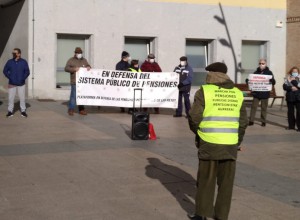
<point>235,32</point>
<point>293,33</point>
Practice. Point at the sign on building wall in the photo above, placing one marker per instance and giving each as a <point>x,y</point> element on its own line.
<point>101,87</point>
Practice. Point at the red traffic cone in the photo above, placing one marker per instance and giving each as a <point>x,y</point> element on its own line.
<point>152,135</point>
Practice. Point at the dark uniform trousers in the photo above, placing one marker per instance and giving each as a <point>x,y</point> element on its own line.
<point>264,106</point>
<point>211,172</point>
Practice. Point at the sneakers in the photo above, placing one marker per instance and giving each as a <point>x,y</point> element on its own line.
<point>24,114</point>
<point>177,116</point>
<point>9,114</point>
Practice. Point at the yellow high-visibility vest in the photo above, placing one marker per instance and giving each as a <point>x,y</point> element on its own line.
<point>221,115</point>
<point>134,70</point>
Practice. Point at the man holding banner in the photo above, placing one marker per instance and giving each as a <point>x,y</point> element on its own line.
<point>72,66</point>
<point>123,65</point>
<point>260,83</point>
<point>185,82</point>
<point>151,66</point>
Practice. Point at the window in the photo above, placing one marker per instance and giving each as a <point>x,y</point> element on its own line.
<point>66,45</point>
<point>197,54</point>
<point>252,51</point>
<point>139,48</point>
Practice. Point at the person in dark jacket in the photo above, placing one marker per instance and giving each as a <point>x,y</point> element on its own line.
<point>292,88</point>
<point>262,96</point>
<point>17,71</point>
<point>185,82</point>
<point>218,153</point>
<point>151,66</point>
<point>123,65</point>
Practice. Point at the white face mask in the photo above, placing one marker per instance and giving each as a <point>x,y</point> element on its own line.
<point>295,74</point>
<point>151,60</point>
<point>79,55</point>
<point>182,63</point>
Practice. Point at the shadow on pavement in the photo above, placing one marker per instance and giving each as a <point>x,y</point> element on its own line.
<point>178,182</point>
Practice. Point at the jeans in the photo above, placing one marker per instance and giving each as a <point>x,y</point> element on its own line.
<point>72,102</point>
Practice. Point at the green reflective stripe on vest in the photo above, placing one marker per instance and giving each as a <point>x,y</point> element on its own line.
<point>219,130</point>
<point>221,119</point>
<point>221,115</point>
<point>134,70</point>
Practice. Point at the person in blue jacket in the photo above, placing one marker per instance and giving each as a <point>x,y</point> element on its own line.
<point>17,71</point>
<point>185,82</point>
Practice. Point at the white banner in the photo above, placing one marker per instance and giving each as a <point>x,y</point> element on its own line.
<point>259,82</point>
<point>100,87</point>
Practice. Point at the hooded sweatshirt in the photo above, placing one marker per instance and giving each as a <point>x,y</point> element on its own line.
<point>210,151</point>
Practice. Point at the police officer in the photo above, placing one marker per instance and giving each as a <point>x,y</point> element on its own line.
<point>218,117</point>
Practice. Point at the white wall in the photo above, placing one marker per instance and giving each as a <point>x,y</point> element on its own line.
<point>109,21</point>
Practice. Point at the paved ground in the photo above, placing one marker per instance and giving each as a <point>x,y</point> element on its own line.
<point>53,166</point>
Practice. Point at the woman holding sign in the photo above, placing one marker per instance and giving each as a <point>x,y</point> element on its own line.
<point>292,87</point>
<point>261,96</point>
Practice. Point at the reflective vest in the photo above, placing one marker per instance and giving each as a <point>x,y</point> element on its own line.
<point>134,70</point>
<point>221,115</point>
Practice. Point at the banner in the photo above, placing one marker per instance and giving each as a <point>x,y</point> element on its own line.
<point>100,87</point>
<point>259,82</point>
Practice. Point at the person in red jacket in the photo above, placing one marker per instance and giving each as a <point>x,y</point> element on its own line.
<point>151,66</point>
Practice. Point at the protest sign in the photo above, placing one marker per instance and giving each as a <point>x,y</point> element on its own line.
<point>101,87</point>
<point>259,82</point>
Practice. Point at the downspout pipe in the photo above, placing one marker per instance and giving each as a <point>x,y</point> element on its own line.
<point>33,54</point>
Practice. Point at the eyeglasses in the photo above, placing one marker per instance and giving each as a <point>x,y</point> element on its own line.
<point>261,63</point>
